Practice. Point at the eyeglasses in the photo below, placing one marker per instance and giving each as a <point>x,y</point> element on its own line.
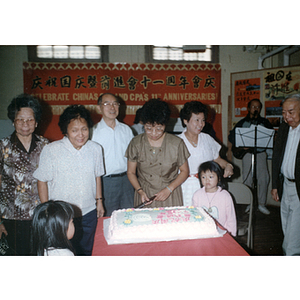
<point>23,121</point>
<point>115,104</point>
<point>152,129</point>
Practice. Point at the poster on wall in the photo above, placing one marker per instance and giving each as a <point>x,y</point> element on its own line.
<point>61,84</point>
<point>244,91</point>
<point>279,83</point>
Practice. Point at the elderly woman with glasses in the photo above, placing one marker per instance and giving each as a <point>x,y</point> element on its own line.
<point>19,158</point>
<point>157,160</point>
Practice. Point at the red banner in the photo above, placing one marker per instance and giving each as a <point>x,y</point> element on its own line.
<point>62,84</point>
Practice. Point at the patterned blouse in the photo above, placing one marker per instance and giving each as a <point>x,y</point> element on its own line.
<point>18,191</point>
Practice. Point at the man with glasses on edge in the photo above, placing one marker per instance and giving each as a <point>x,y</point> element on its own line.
<point>114,137</point>
<point>286,174</point>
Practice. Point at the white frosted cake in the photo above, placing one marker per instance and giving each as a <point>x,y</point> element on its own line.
<point>160,224</point>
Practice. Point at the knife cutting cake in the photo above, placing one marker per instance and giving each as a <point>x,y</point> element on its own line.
<point>160,224</point>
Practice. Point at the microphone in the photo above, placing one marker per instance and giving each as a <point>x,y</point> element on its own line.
<point>254,119</point>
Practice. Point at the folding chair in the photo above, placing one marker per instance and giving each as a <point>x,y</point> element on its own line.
<point>242,194</point>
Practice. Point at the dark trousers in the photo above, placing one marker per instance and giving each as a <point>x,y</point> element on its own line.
<point>118,193</point>
<point>85,228</point>
<point>18,238</point>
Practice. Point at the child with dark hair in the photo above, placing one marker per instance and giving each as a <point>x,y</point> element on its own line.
<point>213,197</point>
<point>52,229</point>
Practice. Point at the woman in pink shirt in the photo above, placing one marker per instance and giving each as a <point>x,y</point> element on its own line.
<point>213,198</point>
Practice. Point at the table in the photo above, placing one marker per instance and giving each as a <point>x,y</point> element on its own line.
<point>222,246</point>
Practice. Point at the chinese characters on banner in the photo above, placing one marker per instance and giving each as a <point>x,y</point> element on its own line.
<point>244,91</point>
<point>279,83</point>
<point>63,84</point>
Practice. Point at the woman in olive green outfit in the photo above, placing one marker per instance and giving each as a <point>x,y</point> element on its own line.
<point>157,160</point>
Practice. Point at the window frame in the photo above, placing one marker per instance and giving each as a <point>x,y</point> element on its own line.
<point>32,56</point>
<point>149,57</point>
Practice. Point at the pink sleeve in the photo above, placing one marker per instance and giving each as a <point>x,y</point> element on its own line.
<point>230,223</point>
<point>197,198</point>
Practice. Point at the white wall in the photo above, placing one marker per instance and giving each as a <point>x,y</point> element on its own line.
<point>233,59</point>
<point>129,54</point>
<point>11,75</point>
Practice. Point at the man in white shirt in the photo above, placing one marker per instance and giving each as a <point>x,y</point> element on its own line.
<point>286,174</point>
<point>114,137</point>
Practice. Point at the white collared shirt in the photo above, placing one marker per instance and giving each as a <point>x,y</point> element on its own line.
<point>289,159</point>
<point>114,142</point>
<point>70,173</point>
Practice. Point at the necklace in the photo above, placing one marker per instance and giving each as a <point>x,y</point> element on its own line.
<point>155,146</point>
<point>193,143</point>
<point>210,201</point>
<point>155,150</point>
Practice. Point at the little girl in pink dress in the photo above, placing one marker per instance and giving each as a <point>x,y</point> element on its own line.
<point>213,198</point>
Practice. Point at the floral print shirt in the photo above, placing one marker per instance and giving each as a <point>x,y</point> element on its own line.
<point>18,190</point>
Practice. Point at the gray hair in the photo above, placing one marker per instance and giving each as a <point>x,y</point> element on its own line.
<point>101,97</point>
<point>292,97</point>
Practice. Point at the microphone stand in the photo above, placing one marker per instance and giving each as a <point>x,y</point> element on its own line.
<point>254,180</point>
<point>254,171</point>
<point>254,164</point>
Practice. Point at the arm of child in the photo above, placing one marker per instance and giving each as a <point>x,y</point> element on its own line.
<point>230,224</point>
<point>199,198</point>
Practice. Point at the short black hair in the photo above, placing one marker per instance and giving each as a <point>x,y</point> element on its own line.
<point>212,166</point>
<point>137,118</point>
<point>192,107</point>
<point>155,111</point>
<point>249,103</point>
<point>74,112</point>
<point>26,101</point>
<point>50,224</point>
